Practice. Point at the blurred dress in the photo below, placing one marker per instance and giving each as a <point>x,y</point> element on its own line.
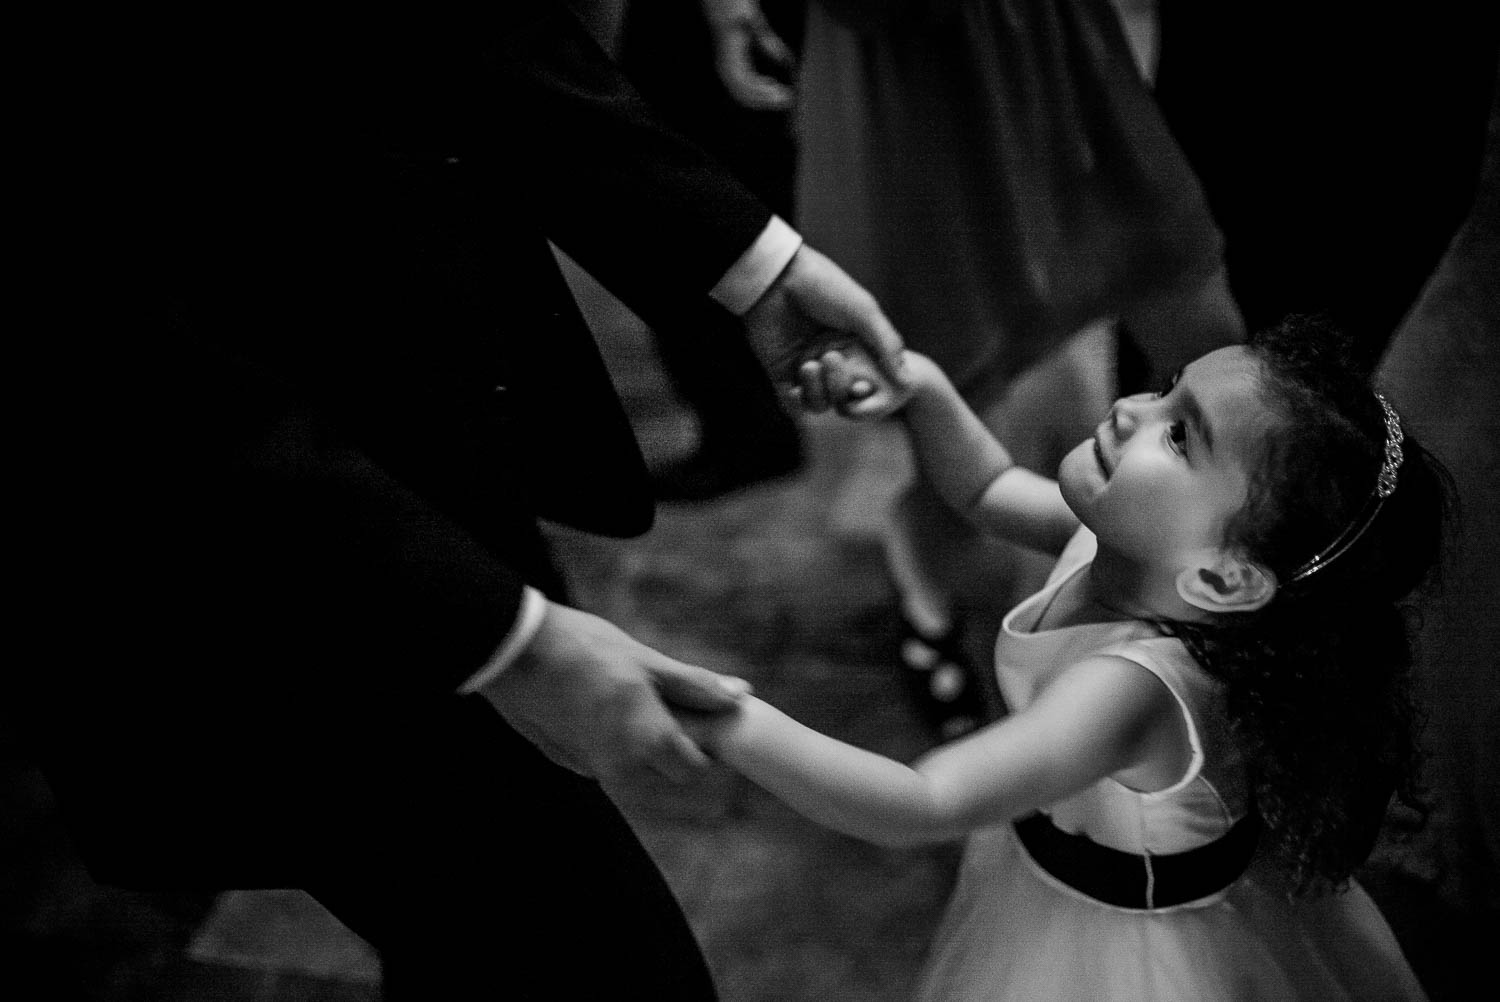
<point>997,173</point>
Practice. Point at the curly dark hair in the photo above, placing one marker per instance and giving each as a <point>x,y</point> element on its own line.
<point>1319,679</point>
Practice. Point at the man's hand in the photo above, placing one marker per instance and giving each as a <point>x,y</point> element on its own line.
<point>740,34</point>
<point>591,697</point>
<point>813,306</point>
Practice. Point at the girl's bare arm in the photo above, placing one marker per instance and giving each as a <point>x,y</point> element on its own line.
<point>971,469</point>
<point>1099,717</point>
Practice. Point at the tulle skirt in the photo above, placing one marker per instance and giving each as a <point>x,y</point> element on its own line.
<point>1013,932</point>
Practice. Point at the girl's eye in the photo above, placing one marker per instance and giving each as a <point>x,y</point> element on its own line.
<point>1177,437</point>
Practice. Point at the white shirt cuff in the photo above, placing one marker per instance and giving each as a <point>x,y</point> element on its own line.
<point>758,268</point>
<point>528,621</point>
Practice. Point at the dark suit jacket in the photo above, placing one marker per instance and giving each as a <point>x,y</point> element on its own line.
<point>317,377</point>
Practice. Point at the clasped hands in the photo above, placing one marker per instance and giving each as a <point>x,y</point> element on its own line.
<point>594,700</point>
<point>823,336</point>
<point>598,701</point>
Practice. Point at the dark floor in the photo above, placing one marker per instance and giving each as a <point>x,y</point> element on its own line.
<point>782,585</point>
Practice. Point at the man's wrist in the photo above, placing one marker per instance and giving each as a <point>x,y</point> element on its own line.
<point>750,277</point>
<point>528,621</point>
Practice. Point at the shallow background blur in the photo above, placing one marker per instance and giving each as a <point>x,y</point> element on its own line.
<point>784,584</point>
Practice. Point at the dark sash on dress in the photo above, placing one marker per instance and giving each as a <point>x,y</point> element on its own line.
<point>1128,880</point>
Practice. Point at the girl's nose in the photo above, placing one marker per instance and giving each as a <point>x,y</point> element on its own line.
<point>1126,413</point>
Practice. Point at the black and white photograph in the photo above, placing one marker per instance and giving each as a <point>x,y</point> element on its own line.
<point>754,501</point>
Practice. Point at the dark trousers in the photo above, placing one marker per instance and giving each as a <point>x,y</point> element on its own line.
<point>487,871</point>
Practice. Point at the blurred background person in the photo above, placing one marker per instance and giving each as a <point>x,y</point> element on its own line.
<point>740,434</point>
<point>999,174</point>
<point>1360,136</point>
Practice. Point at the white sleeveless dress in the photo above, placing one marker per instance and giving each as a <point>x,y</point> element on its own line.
<point>1012,931</point>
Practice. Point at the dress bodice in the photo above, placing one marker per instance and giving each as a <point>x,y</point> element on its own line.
<point>1211,794</point>
<point>1017,930</point>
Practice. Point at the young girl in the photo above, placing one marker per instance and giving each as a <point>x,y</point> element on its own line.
<point>1213,675</point>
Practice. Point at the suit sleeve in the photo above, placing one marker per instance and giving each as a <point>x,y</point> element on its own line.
<point>231,531</point>
<point>608,168</point>
<point>571,144</point>
<point>243,531</point>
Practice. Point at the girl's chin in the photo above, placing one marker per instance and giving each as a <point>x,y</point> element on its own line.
<point>1078,477</point>
<point>1080,465</point>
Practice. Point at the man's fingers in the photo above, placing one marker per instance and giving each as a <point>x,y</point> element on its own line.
<point>834,300</point>
<point>697,688</point>
<point>664,748</point>
<point>738,686</point>
<point>683,760</point>
<point>881,337</point>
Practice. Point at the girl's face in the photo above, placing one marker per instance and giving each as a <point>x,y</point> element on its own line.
<point>1165,472</point>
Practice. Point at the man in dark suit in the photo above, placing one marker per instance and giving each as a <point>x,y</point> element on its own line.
<point>310,379</point>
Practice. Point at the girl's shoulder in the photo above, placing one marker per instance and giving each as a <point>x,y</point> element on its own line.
<point>1170,660</point>
<point>1201,704</point>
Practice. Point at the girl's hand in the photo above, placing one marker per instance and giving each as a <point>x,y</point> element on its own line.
<point>848,381</point>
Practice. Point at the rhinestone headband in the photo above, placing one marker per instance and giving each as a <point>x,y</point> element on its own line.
<point>1385,485</point>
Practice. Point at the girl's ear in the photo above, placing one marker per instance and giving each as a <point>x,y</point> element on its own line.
<point>1223,581</point>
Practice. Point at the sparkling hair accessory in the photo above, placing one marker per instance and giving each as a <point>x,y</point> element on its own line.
<point>1385,484</point>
